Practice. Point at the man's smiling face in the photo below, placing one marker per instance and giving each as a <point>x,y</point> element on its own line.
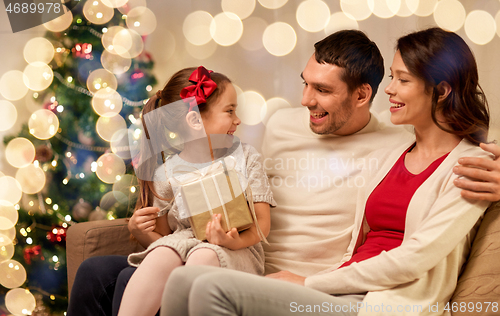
<point>327,97</point>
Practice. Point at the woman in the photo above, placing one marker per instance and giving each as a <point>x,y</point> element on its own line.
<point>413,229</point>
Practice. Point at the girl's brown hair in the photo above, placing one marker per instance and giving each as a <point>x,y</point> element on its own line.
<point>436,55</point>
<point>176,112</point>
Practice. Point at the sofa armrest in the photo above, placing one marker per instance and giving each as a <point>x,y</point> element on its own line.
<point>480,281</point>
<point>97,238</point>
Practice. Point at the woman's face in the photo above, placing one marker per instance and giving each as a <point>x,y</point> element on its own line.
<point>411,101</point>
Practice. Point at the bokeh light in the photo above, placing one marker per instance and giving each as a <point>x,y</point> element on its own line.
<point>271,106</point>
<point>110,168</point>
<point>128,43</point>
<point>340,21</point>
<point>9,115</point>
<point>358,9</point>
<point>279,38</point>
<point>7,235</point>
<point>60,23</point>
<point>11,190</point>
<point>6,252</point>
<point>242,8</point>
<point>169,44</point>
<point>384,8</point>
<point>114,3</point>
<point>38,49</point>
<point>421,7</point>
<point>101,79</point>
<point>480,27</point>
<point>272,4</point>
<point>405,11</point>
<point>119,143</point>
<point>113,199</point>
<point>12,85</point>
<point>97,12</point>
<point>127,185</point>
<point>109,37</point>
<point>313,15</point>
<point>107,126</point>
<point>449,15</point>
<point>142,20</point>
<point>12,274</point>
<point>20,152</point>
<point>6,239</point>
<point>43,124</point>
<point>250,104</point>
<point>196,27</point>
<point>226,28</point>
<point>107,102</point>
<point>38,76</point>
<point>20,301</point>
<point>253,29</point>
<point>8,215</point>
<point>31,178</point>
<point>200,51</point>
<point>115,63</point>
<point>132,4</point>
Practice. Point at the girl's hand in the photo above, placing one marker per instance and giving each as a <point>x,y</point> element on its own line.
<point>143,221</point>
<point>217,236</point>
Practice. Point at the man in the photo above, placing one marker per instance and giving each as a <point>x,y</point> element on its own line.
<point>314,158</point>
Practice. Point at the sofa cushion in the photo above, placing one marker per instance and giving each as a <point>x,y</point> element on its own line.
<point>479,283</point>
<point>97,238</point>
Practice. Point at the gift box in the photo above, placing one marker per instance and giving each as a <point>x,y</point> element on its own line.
<point>218,192</point>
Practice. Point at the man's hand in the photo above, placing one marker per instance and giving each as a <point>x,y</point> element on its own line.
<point>143,221</point>
<point>486,174</point>
<point>287,276</point>
<point>217,236</point>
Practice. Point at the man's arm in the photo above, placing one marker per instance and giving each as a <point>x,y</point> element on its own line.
<point>486,174</point>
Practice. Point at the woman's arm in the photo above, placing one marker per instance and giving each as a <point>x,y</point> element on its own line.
<point>234,240</point>
<point>146,227</point>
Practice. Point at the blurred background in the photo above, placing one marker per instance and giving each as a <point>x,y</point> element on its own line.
<point>71,91</point>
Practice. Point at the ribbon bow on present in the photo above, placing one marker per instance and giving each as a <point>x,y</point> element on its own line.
<point>202,88</point>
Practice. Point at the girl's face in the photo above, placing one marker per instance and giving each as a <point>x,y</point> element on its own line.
<point>411,101</point>
<point>220,117</point>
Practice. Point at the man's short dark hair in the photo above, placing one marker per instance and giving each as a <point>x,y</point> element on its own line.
<point>353,51</point>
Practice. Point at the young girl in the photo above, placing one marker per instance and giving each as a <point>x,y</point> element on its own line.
<point>171,239</point>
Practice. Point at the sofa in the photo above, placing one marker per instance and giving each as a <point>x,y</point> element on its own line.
<point>478,284</point>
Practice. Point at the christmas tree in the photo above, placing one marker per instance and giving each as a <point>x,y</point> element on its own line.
<point>97,77</point>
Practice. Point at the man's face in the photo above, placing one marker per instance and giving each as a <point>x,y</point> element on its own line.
<point>330,104</point>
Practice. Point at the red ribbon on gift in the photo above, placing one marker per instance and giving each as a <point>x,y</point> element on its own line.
<point>203,86</point>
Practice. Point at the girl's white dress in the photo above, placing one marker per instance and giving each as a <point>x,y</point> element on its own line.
<point>182,239</point>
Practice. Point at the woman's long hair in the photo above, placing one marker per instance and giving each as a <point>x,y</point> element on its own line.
<point>436,55</point>
<point>176,112</point>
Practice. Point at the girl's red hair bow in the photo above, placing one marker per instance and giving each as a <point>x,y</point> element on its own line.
<point>202,88</point>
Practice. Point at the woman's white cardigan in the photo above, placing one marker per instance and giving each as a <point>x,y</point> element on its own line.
<point>423,271</point>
